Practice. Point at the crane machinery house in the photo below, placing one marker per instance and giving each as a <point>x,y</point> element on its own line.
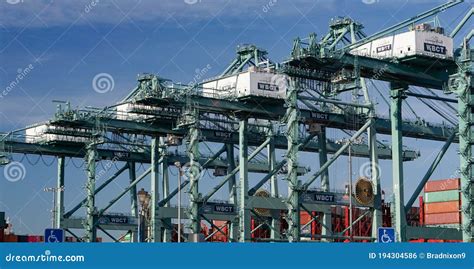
<point>254,82</point>
<point>422,40</point>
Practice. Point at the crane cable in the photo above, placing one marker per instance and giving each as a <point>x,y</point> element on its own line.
<point>44,162</point>
<point>32,163</point>
<point>439,110</point>
<point>74,164</point>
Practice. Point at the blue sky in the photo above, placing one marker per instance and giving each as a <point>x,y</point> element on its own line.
<point>69,42</point>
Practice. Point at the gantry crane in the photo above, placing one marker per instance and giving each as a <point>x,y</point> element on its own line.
<point>158,115</point>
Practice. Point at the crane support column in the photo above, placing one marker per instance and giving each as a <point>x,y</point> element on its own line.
<point>397,94</point>
<point>89,224</point>
<point>272,163</point>
<point>165,185</point>
<point>375,176</point>
<point>465,151</point>
<point>133,197</point>
<point>323,158</point>
<point>244,210</point>
<point>194,174</point>
<point>59,212</point>
<point>233,195</point>
<point>164,168</point>
<point>292,120</point>
<point>155,224</point>
<point>461,84</point>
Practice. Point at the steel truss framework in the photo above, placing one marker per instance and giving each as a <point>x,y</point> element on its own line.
<point>159,114</point>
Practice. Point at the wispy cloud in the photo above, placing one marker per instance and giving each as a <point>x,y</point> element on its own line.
<point>47,13</point>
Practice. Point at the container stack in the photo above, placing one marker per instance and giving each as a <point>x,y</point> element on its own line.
<point>442,203</point>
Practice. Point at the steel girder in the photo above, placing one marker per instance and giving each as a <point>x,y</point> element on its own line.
<point>461,83</point>
<point>397,94</point>
<point>292,120</point>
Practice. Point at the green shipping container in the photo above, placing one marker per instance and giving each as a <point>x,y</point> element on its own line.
<point>441,196</point>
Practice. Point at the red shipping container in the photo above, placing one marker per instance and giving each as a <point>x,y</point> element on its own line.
<point>35,238</point>
<point>304,217</point>
<point>442,218</point>
<point>442,185</point>
<point>435,241</point>
<point>417,240</point>
<point>218,236</point>
<point>442,207</point>
<point>31,238</point>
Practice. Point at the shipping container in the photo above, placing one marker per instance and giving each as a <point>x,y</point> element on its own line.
<point>305,217</point>
<point>413,216</point>
<point>442,207</point>
<point>11,238</point>
<point>442,196</point>
<point>435,241</point>
<point>220,236</point>
<point>443,218</point>
<point>421,240</point>
<point>442,185</point>
<point>22,238</point>
<point>35,238</point>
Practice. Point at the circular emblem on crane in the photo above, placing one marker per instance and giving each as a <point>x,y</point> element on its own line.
<point>364,191</point>
<point>262,211</point>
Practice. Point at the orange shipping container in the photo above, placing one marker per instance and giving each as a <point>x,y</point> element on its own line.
<point>11,238</point>
<point>442,218</point>
<point>442,207</point>
<point>442,185</point>
<point>304,217</point>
